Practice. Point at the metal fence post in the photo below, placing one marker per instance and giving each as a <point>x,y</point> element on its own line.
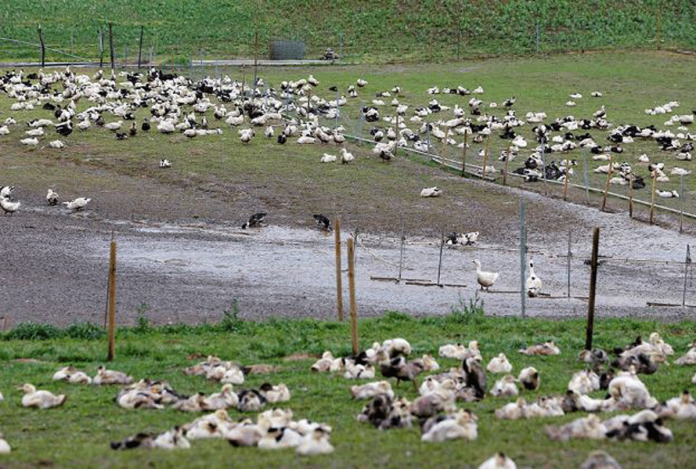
<point>523,256</point>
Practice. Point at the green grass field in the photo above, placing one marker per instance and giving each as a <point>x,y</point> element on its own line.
<point>79,432</point>
<point>389,31</point>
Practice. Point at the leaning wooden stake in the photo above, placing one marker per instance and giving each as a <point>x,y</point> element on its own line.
<point>652,196</point>
<point>112,301</point>
<point>606,185</point>
<point>593,290</point>
<point>351,287</point>
<point>339,280</point>
<point>466,134</point>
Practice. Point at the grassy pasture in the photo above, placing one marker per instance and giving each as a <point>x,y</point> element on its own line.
<point>79,432</point>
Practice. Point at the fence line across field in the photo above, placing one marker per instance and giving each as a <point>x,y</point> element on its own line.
<point>457,166</point>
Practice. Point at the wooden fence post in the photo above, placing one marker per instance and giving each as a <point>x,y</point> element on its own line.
<point>43,48</point>
<point>593,290</point>
<point>111,47</point>
<point>606,186</point>
<point>339,280</point>
<point>112,301</point>
<point>351,287</point>
<point>466,134</point>
<point>653,175</point>
<point>140,47</point>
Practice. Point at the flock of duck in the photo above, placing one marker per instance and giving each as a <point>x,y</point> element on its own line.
<point>179,105</point>
<point>434,411</point>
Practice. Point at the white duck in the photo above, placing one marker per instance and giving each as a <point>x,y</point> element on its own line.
<point>316,442</point>
<point>499,364</point>
<point>52,197</point>
<point>77,204</point>
<point>7,206</point>
<point>533,283</point>
<point>327,158</point>
<point>431,192</point>
<point>346,157</point>
<point>40,399</point>
<point>485,279</point>
<point>4,445</point>
<point>499,461</point>
<point>667,194</point>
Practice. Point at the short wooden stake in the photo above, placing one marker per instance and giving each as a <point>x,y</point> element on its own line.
<point>112,301</point>
<point>351,287</point>
<point>653,175</point>
<point>466,135</point>
<point>593,290</point>
<point>606,185</point>
<point>339,280</point>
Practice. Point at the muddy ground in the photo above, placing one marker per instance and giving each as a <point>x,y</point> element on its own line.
<point>183,258</point>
